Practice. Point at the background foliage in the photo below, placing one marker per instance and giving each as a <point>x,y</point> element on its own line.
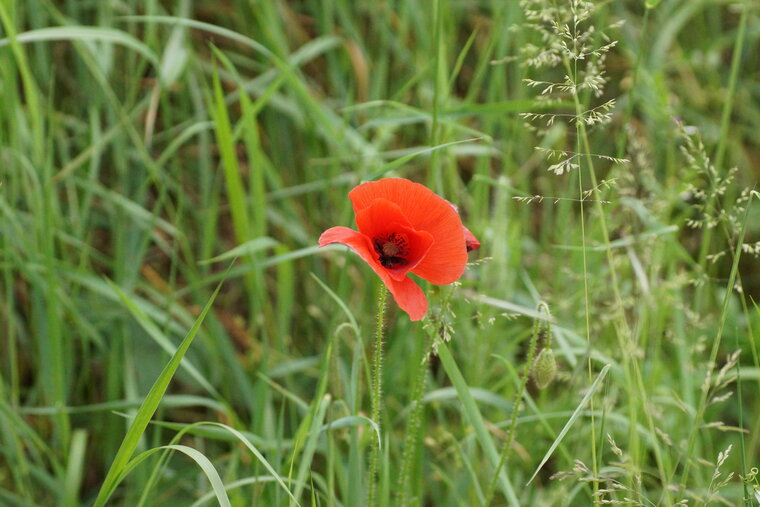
<point>144,145</point>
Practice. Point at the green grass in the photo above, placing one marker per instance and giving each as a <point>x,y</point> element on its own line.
<point>145,146</point>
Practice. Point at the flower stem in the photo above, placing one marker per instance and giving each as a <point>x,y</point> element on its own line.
<point>377,388</point>
<point>413,434</point>
<point>542,308</point>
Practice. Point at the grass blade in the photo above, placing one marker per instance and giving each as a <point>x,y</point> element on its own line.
<point>85,33</point>
<point>473,415</point>
<point>390,166</point>
<point>74,468</point>
<point>576,414</point>
<point>161,339</point>
<point>147,409</point>
<point>258,455</point>
<point>203,462</point>
<point>248,248</point>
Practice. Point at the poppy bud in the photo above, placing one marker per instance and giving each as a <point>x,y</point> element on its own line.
<point>545,368</point>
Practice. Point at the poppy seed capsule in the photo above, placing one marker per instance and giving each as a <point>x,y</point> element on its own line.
<point>389,249</point>
<point>392,249</point>
<point>545,368</point>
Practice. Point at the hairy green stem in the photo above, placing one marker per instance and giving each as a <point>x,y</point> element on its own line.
<point>377,388</point>
<point>413,434</point>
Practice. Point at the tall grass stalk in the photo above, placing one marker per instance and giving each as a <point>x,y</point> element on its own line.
<point>586,300</point>
<point>624,332</point>
<point>743,462</point>
<point>711,362</point>
<point>728,108</point>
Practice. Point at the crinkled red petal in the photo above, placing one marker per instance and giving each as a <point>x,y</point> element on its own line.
<point>405,292</point>
<point>445,262</point>
<point>382,218</point>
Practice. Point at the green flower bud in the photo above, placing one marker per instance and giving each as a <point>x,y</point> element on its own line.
<point>545,368</point>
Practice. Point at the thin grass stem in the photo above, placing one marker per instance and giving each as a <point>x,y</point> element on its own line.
<point>704,247</point>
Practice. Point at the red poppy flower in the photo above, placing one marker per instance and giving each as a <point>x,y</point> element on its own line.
<point>404,227</point>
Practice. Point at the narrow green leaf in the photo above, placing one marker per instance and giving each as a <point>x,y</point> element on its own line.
<point>147,409</point>
<point>232,485</point>
<point>247,248</point>
<point>213,476</point>
<point>170,400</point>
<point>403,160</point>
<point>162,340</point>
<point>307,456</point>
<point>471,412</point>
<point>258,455</point>
<point>175,56</point>
<point>74,468</point>
<point>477,393</point>
<point>351,421</point>
<point>230,163</point>
<point>340,303</point>
<point>576,414</point>
<point>203,462</point>
<point>85,33</point>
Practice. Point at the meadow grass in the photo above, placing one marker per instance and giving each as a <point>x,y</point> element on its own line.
<point>172,334</point>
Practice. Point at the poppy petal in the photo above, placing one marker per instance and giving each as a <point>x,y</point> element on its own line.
<point>357,241</point>
<point>405,292</point>
<point>470,240</point>
<point>408,296</point>
<point>374,219</point>
<point>384,222</point>
<point>446,260</point>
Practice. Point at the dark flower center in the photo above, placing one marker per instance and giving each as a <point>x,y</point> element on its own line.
<point>392,250</point>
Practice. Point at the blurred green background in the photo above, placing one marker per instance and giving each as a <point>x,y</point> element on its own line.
<point>144,145</point>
